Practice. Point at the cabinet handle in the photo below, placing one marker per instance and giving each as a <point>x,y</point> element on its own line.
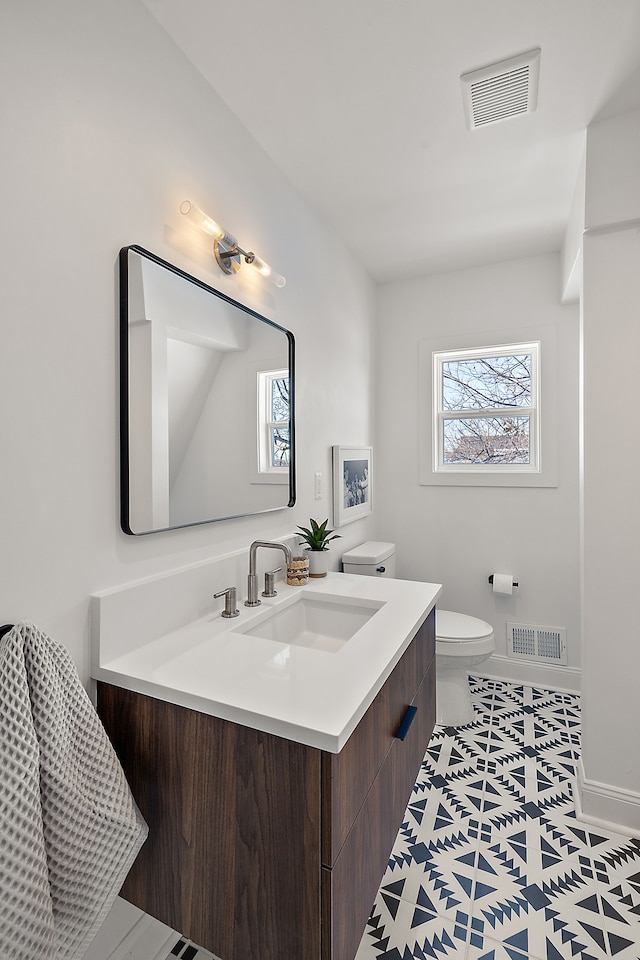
<point>406,722</point>
<point>381,569</point>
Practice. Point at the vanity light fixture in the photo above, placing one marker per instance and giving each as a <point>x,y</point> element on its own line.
<point>226,248</point>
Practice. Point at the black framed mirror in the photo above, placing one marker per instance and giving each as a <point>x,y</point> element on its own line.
<point>207,426</point>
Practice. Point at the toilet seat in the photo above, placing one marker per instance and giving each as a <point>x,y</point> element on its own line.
<point>459,635</point>
<point>459,626</point>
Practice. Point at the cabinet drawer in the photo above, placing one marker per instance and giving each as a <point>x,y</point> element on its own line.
<point>348,775</point>
<point>350,887</point>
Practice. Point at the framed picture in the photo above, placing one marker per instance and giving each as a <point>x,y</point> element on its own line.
<point>352,483</point>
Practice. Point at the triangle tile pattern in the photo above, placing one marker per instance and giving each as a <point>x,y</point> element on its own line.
<point>184,949</point>
<point>490,862</point>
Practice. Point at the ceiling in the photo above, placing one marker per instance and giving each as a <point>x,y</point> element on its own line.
<point>359,103</point>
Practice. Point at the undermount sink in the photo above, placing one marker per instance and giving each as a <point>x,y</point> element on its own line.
<point>319,622</point>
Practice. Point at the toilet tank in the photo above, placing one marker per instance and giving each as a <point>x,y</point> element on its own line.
<point>371,559</point>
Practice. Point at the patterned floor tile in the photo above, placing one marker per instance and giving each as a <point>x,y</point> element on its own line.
<point>491,862</point>
<point>439,866</point>
<point>401,930</point>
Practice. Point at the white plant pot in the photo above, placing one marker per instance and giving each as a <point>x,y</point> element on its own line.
<point>318,562</point>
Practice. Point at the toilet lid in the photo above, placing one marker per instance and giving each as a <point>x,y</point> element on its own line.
<point>459,626</point>
<point>373,551</point>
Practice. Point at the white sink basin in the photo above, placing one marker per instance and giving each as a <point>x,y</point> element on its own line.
<point>321,622</point>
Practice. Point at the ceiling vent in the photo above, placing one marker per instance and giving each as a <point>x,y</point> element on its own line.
<point>501,90</point>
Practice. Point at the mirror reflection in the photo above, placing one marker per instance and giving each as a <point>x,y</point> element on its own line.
<point>207,426</point>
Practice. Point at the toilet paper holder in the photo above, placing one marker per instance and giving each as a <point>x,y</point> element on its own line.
<point>515,582</point>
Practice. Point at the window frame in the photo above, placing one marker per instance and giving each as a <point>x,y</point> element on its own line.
<point>266,425</point>
<point>441,415</point>
<point>546,472</point>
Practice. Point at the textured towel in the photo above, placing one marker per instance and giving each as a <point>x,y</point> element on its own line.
<point>69,828</point>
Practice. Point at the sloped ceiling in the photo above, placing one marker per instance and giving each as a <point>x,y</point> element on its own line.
<point>359,103</point>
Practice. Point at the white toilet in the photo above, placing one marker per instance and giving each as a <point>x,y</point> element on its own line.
<point>462,642</point>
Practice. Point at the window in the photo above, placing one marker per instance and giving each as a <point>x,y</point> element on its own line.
<point>274,444</point>
<point>486,409</point>
<point>488,413</point>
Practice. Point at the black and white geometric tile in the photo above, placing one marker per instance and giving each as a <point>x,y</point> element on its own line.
<point>491,862</point>
<point>186,950</point>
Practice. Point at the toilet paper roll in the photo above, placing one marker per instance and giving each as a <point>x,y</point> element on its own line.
<point>503,583</point>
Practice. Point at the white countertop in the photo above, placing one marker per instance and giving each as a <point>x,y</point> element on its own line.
<point>312,696</point>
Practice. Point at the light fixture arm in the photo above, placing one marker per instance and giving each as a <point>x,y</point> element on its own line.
<point>234,251</point>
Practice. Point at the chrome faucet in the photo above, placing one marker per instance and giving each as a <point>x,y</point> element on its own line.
<point>252,584</point>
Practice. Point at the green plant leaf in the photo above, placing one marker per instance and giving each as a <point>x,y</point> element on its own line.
<point>317,535</point>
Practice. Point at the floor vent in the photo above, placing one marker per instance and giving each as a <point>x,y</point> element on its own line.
<point>501,90</point>
<point>528,642</point>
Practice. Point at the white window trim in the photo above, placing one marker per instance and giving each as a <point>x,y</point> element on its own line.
<point>266,472</point>
<point>544,472</point>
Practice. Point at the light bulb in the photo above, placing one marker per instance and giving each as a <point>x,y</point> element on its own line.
<point>207,224</point>
<point>265,270</point>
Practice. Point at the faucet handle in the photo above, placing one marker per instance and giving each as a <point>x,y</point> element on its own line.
<point>230,599</point>
<point>269,583</point>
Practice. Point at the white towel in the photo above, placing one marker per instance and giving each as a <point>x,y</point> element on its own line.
<point>69,827</point>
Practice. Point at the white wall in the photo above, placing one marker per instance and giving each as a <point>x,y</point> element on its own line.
<point>571,258</point>
<point>459,535</point>
<point>106,129</point>
<point>609,787</point>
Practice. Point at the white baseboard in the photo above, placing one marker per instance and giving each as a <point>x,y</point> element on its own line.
<point>607,807</point>
<point>532,673</point>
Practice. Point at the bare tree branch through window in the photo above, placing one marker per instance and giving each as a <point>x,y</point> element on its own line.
<point>487,406</point>
<point>280,436</point>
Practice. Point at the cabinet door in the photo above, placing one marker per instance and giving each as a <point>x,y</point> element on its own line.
<point>348,775</point>
<point>350,887</point>
<point>232,859</point>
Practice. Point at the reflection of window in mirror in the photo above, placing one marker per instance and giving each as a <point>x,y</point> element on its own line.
<point>274,443</point>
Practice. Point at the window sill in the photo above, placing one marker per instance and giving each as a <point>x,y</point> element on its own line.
<point>282,478</point>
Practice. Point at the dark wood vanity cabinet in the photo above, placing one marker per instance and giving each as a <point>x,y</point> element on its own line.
<point>261,848</point>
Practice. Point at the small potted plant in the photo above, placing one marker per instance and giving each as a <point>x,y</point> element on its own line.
<point>316,536</point>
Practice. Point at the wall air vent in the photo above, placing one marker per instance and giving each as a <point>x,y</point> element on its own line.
<point>501,90</point>
<point>528,642</point>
